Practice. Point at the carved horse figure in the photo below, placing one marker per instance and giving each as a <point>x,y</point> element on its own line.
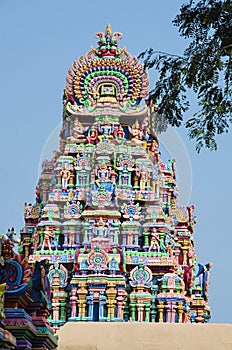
<point>12,236</point>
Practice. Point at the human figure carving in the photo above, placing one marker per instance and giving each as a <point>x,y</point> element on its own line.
<point>154,240</point>
<point>73,300</point>
<point>142,174</point>
<point>136,132</point>
<point>36,239</point>
<point>101,229</point>
<point>78,130</point>
<point>119,134</point>
<point>92,135</point>
<point>65,174</point>
<point>48,236</point>
<point>103,174</point>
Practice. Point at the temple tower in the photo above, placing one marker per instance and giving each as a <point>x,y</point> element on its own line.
<point>106,216</point>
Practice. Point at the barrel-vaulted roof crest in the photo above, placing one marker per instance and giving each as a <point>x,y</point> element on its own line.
<point>107,74</point>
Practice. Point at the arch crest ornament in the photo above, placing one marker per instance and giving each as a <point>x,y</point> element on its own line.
<point>106,74</point>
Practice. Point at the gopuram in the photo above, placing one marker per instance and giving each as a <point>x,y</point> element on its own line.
<point>106,239</point>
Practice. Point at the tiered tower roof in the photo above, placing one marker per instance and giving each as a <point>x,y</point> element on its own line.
<point>106,215</point>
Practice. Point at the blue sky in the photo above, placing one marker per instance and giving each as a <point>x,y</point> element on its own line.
<point>39,42</point>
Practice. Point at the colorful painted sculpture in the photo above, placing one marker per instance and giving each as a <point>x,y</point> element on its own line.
<point>106,221</point>
<point>24,304</point>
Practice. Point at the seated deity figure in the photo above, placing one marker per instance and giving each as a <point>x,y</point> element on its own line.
<point>119,135</point>
<point>145,135</point>
<point>154,240</point>
<point>106,130</point>
<point>104,178</point>
<point>102,173</point>
<point>136,133</point>
<point>92,135</point>
<point>113,265</point>
<point>78,130</point>
<point>65,175</point>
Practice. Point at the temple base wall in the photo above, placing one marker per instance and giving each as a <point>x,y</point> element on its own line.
<point>144,336</point>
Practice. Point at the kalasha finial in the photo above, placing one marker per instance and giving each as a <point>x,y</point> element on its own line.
<point>108,30</point>
<point>108,43</point>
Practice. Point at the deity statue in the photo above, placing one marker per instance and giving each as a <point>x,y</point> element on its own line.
<point>154,240</point>
<point>154,151</point>
<point>170,244</point>
<point>100,228</point>
<point>145,135</point>
<point>27,209</point>
<point>103,173</point>
<point>136,132</point>
<point>92,135</point>
<point>73,300</point>
<point>106,129</point>
<point>45,164</point>
<point>48,236</point>
<point>125,176</point>
<point>120,134</point>
<point>36,239</point>
<point>65,175</point>
<point>203,275</point>
<point>143,175</point>
<point>188,278</point>
<point>113,265</point>
<point>78,130</point>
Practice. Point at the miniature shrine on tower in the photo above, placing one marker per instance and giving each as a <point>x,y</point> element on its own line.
<point>106,239</point>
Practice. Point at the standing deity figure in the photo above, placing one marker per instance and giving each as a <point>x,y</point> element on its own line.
<point>56,311</point>
<point>73,300</point>
<point>154,240</point>
<point>154,151</point>
<point>65,175</point>
<point>48,236</point>
<point>125,176</point>
<point>142,174</point>
<point>36,239</point>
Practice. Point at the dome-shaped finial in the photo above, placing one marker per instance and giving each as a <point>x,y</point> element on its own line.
<point>108,29</point>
